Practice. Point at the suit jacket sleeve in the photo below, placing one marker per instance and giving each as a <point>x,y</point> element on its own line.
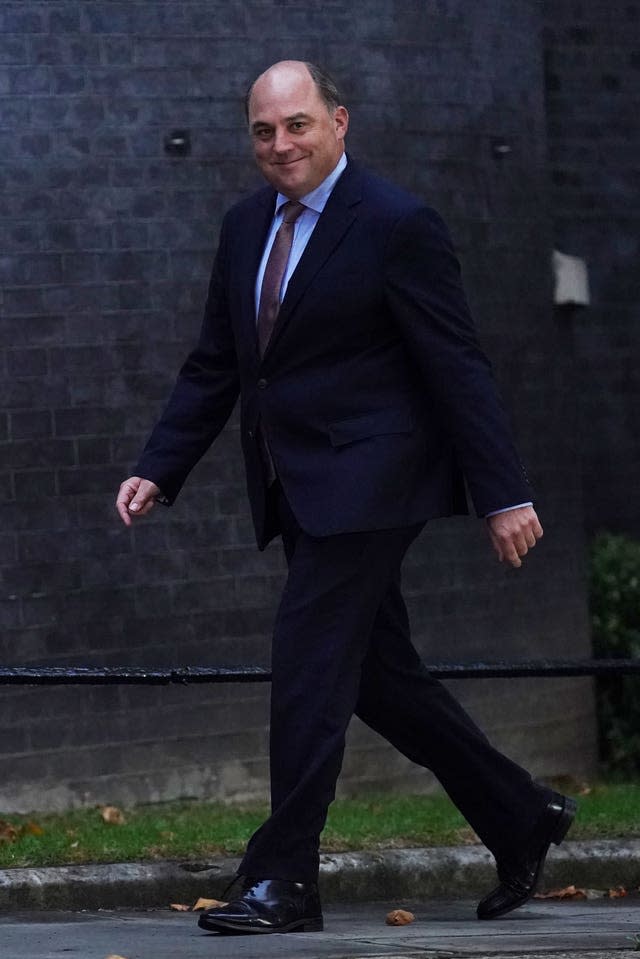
<point>203,398</point>
<point>425,292</point>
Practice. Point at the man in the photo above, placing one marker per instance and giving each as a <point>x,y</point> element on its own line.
<point>335,310</point>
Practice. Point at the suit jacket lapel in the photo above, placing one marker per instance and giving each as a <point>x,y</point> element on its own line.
<point>333,223</point>
<point>250,253</point>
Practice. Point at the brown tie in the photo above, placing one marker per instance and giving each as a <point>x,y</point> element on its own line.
<point>274,273</point>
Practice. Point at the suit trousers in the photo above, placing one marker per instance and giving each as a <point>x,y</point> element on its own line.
<point>341,645</point>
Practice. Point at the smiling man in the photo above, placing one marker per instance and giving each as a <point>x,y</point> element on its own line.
<point>297,141</point>
<point>336,313</point>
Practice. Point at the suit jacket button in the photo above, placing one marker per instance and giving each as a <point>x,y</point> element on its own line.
<point>262,384</point>
<point>250,434</point>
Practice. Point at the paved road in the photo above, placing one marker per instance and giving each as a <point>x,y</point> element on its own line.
<point>596,929</point>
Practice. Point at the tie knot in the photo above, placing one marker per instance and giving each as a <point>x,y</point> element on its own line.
<point>292,210</point>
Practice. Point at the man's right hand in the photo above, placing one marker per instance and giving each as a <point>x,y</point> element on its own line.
<point>136,497</point>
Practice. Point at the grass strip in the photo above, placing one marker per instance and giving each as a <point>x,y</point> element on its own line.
<point>199,831</point>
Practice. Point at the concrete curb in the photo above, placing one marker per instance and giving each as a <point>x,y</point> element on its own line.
<point>452,872</point>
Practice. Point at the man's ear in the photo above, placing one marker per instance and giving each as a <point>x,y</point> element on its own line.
<point>341,120</point>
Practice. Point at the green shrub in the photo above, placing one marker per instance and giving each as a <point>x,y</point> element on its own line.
<point>615,615</point>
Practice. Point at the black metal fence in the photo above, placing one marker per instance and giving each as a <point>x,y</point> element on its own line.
<point>184,675</point>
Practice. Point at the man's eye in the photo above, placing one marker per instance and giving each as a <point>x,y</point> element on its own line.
<point>262,134</point>
<point>298,125</point>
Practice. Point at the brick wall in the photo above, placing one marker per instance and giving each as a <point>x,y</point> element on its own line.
<point>105,248</point>
<point>592,52</point>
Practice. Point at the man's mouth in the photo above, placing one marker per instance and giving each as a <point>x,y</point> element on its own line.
<point>288,162</point>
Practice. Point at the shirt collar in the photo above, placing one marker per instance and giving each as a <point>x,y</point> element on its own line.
<point>316,199</point>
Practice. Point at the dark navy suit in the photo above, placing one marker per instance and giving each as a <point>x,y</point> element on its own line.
<point>377,403</point>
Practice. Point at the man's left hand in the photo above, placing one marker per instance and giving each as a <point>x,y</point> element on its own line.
<point>513,533</point>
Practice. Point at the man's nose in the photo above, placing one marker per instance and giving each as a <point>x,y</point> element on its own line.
<point>282,141</point>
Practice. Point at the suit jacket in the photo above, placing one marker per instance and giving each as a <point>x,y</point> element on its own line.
<point>373,391</point>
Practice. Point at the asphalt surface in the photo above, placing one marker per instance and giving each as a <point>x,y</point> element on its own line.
<point>597,929</point>
<point>120,909</point>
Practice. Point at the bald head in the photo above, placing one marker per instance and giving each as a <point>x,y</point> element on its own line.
<point>297,127</point>
<point>325,84</point>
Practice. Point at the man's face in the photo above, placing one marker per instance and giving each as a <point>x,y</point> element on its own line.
<point>296,140</point>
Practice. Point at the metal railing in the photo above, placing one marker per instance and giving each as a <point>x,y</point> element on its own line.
<point>184,675</point>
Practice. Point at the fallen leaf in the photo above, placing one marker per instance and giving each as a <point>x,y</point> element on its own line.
<point>113,956</point>
<point>74,845</point>
<point>399,917</point>
<point>618,893</point>
<point>179,907</point>
<point>568,892</point>
<point>8,832</point>
<point>572,892</point>
<point>33,829</point>
<point>112,815</point>
<point>208,904</point>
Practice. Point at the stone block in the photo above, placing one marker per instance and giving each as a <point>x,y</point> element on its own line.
<point>31,424</point>
<point>18,18</point>
<point>13,49</point>
<point>81,421</point>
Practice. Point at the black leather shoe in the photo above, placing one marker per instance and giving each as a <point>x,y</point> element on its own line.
<point>519,877</point>
<point>268,905</point>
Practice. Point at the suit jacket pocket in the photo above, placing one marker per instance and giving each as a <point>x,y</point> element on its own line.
<point>365,425</point>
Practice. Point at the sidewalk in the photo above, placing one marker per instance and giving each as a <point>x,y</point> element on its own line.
<point>420,874</point>
<point>443,930</point>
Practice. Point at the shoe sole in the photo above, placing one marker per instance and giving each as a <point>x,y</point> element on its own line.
<point>235,929</point>
<point>560,829</point>
<point>564,821</point>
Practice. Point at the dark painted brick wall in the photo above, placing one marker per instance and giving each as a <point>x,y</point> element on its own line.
<point>592,52</point>
<point>105,248</point>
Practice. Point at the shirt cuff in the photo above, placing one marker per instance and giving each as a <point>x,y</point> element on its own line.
<point>506,509</point>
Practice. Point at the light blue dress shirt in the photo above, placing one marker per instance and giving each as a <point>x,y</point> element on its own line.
<point>304,226</point>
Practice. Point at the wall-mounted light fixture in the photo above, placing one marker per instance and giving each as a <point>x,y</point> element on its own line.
<point>178,143</point>
<point>500,148</point>
<point>571,277</point>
